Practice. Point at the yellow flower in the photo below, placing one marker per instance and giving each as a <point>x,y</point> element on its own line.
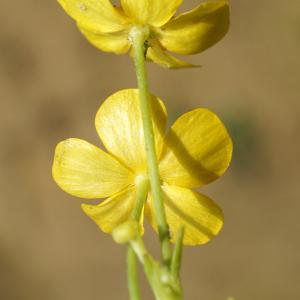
<point>196,151</point>
<point>108,27</point>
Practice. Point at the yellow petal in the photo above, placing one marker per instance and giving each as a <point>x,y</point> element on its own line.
<point>83,170</point>
<point>197,30</point>
<point>151,12</point>
<point>202,218</point>
<point>113,212</point>
<point>197,150</point>
<point>120,128</point>
<point>160,57</point>
<point>115,42</point>
<point>96,15</point>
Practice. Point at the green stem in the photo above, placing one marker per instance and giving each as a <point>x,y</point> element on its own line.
<point>142,187</point>
<point>177,253</point>
<point>162,282</point>
<point>132,274</point>
<point>139,36</point>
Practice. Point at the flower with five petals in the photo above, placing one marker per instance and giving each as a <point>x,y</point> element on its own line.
<point>196,151</point>
<point>109,27</point>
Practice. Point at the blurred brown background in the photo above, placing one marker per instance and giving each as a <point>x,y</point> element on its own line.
<point>52,83</point>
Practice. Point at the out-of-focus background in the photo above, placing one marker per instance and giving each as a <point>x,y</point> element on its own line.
<point>52,82</point>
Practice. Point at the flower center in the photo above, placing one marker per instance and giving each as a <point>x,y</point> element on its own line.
<point>139,31</point>
<point>141,178</point>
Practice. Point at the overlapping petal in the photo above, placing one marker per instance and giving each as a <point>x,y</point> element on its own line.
<point>96,15</point>
<point>84,170</point>
<point>197,30</point>
<point>113,211</point>
<point>157,55</point>
<point>151,12</point>
<point>107,27</point>
<point>197,150</point>
<point>119,125</point>
<point>202,218</point>
<point>116,42</point>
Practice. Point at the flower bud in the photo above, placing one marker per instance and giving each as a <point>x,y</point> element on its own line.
<point>126,232</point>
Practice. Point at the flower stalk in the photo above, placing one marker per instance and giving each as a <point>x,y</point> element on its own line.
<point>142,187</point>
<point>177,254</point>
<point>164,284</point>
<point>139,36</point>
<point>132,275</point>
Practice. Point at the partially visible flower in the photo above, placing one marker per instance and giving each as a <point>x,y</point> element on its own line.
<point>108,27</point>
<point>196,151</point>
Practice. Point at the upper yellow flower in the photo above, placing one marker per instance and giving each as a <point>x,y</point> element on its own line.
<point>108,27</point>
<point>196,151</point>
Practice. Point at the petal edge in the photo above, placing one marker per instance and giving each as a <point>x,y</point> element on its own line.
<point>113,211</point>
<point>157,55</point>
<point>202,218</point>
<point>84,170</point>
<point>116,42</point>
<point>96,15</point>
<point>196,30</point>
<point>198,150</point>
<point>119,126</point>
<point>151,12</point>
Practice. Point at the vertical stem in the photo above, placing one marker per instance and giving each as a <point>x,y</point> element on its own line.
<point>177,253</point>
<point>139,36</point>
<point>142,187</point>
<point>132,275</point>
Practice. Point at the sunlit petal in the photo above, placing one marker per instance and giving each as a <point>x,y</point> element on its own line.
<point>95,15</point>
<point>113,211</point>
<point>152,12</point>
<point>84,170</point>
<point>197,150</point>
<point>157,55</point>
<point>116,42</point>
<point>202,218</point>
<point>119,125</point>
<point>197,30</point>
